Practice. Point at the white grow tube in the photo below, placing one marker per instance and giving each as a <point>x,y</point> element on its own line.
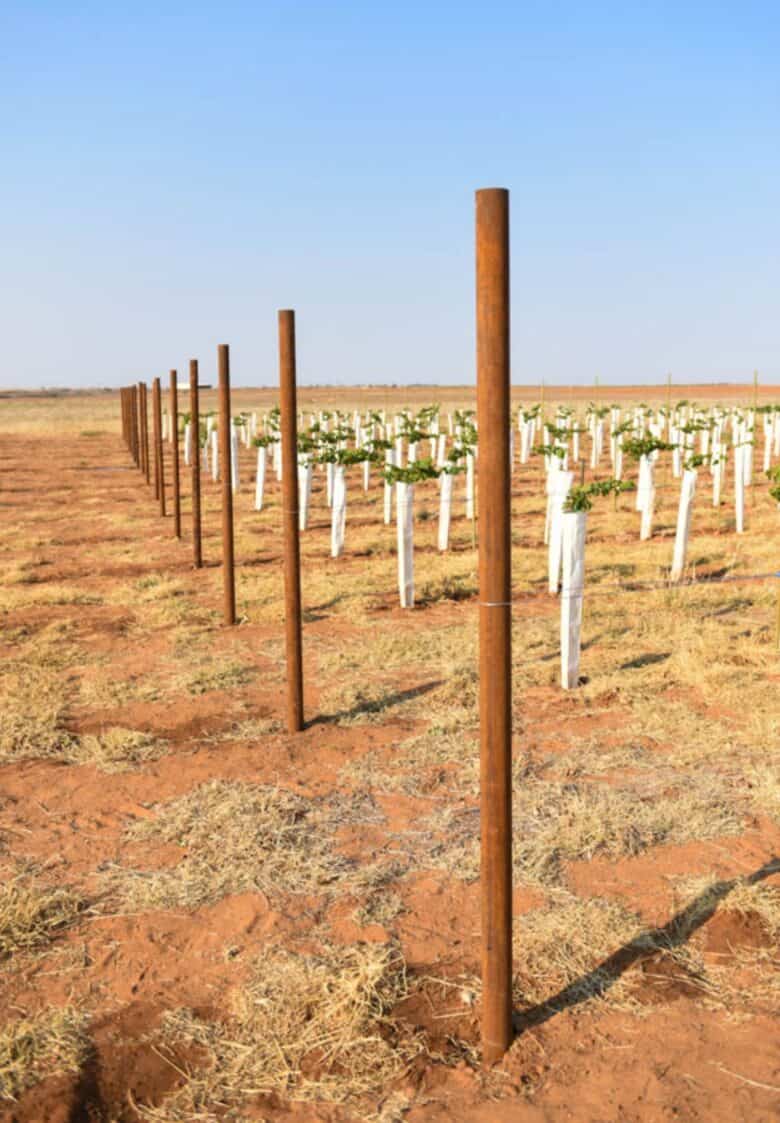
<point>573,557</point>
<point>338,515</point>
<point>260,482</point>
<point>687,492</point>
<point>214,455</point>
<point>739,487</point>
<point>234,479</point>
<point>404,501</point>
<point>561,482</point>
<point>304,492</point>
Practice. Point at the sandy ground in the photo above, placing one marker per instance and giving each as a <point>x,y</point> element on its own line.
<point>689,1039</point>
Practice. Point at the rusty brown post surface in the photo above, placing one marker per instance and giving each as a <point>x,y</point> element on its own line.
<point>144,431</point>
<point>292,554</point>
<point>136,428</point>
<point>228,562</point>
<point>495,661</point>
<point>145,422</point>
<point>159,489</point>
<point>197,556</point>
<point>156,438</point>
<point>174,410</point>
<point>134,442</point>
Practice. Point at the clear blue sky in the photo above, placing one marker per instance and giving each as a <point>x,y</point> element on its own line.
<point>173,173</point>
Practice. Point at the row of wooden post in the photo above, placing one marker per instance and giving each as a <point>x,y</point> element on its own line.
<point>136,435</point>
<point>493,412</point>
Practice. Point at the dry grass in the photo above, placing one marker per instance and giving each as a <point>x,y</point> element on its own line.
<point>116,749</point>
<point>763,781</point>
<point>563,944</point>
<point>432,762</point>
<point>235,838</point>
<point>34,1048</point>
<point>555,823</point>
<point>579,950</point>
<point>31,914</point>
<point>704,896</point>
<point>34,703</point>
<point>216,673</point>
<point>308,1028</point>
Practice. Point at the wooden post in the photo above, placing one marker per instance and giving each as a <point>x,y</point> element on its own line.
<point>155,460</point>
<point>159,473</point>
<point>137,427</point>
<point>135,443</point>
<point>197,556</point>
<point>174,409</point>
<point>144,431</point>
<point>292,563</point>
<point>228,562</point>
<point>495,660</point>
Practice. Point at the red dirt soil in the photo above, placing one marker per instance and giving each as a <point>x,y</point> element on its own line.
<point>679,1061</point>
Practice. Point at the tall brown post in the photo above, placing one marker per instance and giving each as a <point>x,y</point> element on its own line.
<point>136,427</point>
<point>144,431</point>
<point>292,557</point>
<point>228,572</point>
<point>139,401</point>
<point>158,442</point>
<point>174,410</point>
<point>495,660</point>
<point>136,444</point>
<point>197,556</point>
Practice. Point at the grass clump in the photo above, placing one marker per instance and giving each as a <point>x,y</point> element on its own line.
<point>34,704</point>
<point>31,914</point>
<point>561,945</point>
<point>306,1027</point>
<point>235,838</point>
<point>555,823</point>
<point>448,588</point>
<point>215,674</point>
<point>571,822</point>
<point>703,897</point>
<point>115,749</point>
<point>32,1048</point>
<point>162,601</point>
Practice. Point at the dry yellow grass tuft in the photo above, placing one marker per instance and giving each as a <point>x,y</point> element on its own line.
<point>33,1048</point>
<point>31,914</point>
<point>563,944</point>
<point>216,674</point>
<point>235,837</point>
<point>309,1028</point>
<point>34,704</point>
<point>115,749</point>
<point>556,823</point>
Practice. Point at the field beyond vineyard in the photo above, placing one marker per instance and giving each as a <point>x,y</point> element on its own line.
<point>203,918</point>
